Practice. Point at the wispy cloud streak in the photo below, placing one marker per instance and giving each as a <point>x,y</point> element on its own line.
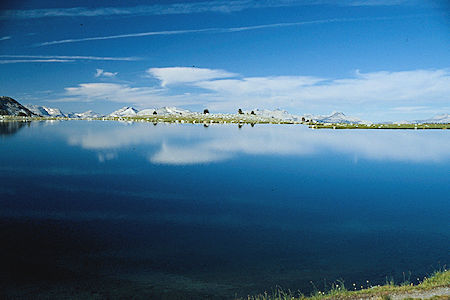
<point>15,61</point>
<point>186,8</point>
<point>221,30</point>
<point>121,36</point>
<point>5,38</point>
<point>65,57</point>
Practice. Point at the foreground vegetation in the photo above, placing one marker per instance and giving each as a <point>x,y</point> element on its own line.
<point>380,126</point>
<point>440,279</point>
<point>231,119</point>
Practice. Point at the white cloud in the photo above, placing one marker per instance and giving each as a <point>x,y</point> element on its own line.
<point>5,38</point>
<point>120,36</point>
<point>102,73</point>
<point>220,6</point>
<point>418,86</point>
<point>16,61</point>
<point>194,88</point>
<point>169,144</point>
<point>258,85</point>
<point>120,93</point>
<point>195,154</point>
<point>220,30</point>
<point>77,57</point>
<point>109,91</point>
<point>178,75</point>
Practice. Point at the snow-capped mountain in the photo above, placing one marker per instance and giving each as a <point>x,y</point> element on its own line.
<point>126,111</point>
<point>56,112</point>
<point>10,107</point>
<point>402,122</point>
<point>437,119</point>
<point>336,117</point>
<point>171,111</point>
<point>85,115</point>
<point>339,117</point>
<point>45,111</point>
<point>146,112</point>
<point>275,114</point>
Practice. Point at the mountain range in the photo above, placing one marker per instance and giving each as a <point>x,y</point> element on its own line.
<point>437,119</point>
<point>9,106</point>
<point>45,111</point>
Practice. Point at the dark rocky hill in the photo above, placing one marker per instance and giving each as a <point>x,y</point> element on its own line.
<point>10,107</point>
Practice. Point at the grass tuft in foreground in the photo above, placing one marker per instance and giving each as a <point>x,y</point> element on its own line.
<point>338,291</point>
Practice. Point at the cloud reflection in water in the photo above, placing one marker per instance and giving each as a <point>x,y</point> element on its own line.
<point>193,144</point>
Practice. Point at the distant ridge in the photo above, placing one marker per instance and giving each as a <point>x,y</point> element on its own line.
<point>437,119</point>
<point>45,111</point>
<point>11,107</point>
<point>85,115</point>
<point>126,111</point>
<point>339,117</point>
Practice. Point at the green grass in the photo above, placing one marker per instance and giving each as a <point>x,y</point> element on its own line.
<point>379,126</point>
<point>234,119</point>
<point>339,291</point>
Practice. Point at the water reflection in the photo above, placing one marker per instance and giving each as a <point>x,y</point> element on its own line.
<point>194,144</point>
<point>10,128</point>
<point>250,208</point>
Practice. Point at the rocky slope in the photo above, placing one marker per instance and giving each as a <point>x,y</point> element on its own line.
<point>10,107</point>
<point>45,111</point>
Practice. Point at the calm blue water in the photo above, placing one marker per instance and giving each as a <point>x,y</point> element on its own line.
<point>113,209</point>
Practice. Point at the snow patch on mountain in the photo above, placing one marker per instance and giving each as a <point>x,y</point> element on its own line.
<point>126,111</point>
<point>339,117</point>
<point>10,107</point>
<point>85,115</point>
<point>171,111</point>
<point>146,112</point>
<point>336,117</point>
<point>437,119</point>
<point>402,122</point>
<point>45,111</point>
<point>276,114</point>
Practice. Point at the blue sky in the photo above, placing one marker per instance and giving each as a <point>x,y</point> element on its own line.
<point>378,60</point>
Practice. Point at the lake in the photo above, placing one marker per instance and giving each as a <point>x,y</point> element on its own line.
<point>183,211</point>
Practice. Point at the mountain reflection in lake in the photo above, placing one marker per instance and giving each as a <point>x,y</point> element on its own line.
<point>10,128</point>
<point>182,211</point>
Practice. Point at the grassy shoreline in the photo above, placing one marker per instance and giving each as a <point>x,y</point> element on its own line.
<point>229,119</point>
<point>439,279</point>
<point>380,126</point>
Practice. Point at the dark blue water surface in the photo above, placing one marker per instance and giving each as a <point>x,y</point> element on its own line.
<point>109,209</point>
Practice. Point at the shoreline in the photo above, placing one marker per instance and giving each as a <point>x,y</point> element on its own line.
<point>232,119</point>
<point>437,286</point>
